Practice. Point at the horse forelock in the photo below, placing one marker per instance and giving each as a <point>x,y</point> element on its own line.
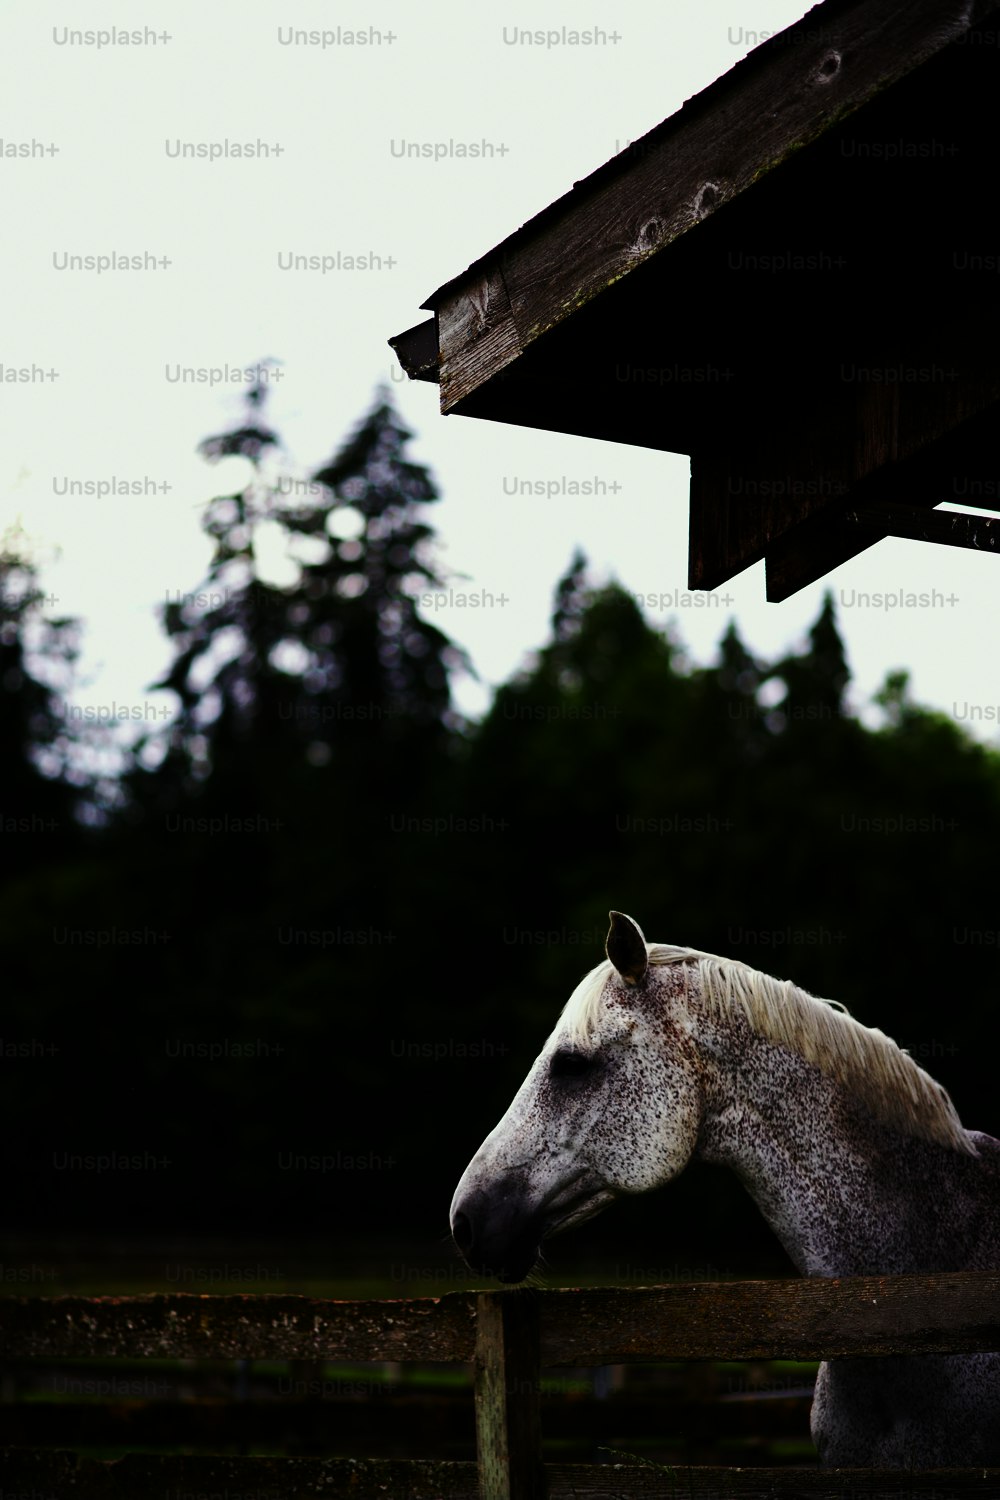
<point>861,1058</point>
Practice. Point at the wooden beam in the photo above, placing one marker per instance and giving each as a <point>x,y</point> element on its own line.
<point>417,351</point>
<point>722,143</point>
<point>775,480</point>
<point>800,1318</point>
<point>508,1434</point>
<point>803,553</point>
<point>141,1476</point>
<point>930,436</point>
<point>948,528</point>
<point>808,1318</point>
<point>186,1326</point>
<point>480,323</point>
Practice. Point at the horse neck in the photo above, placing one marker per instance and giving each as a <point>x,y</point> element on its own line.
<point>844,1193</point>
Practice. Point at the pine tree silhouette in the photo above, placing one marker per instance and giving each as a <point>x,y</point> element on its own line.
<point>340,669</point>
<point>817,680</point>
<point>41,776</point>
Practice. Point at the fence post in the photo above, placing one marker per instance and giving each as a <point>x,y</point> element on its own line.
<point>508,1431</point>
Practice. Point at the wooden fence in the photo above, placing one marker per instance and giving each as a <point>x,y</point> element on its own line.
<point>509,1337</point>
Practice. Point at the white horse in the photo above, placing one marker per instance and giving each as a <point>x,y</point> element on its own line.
<point>854,1155</point>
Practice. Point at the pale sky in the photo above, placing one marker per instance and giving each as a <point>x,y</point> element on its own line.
<point>212,231</point>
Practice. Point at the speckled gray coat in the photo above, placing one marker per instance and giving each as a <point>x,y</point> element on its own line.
<point>665,1079</point>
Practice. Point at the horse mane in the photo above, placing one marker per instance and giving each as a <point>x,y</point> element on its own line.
<point>863,1059</point>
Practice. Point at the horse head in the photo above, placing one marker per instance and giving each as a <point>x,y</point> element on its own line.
<point>612,1105</point>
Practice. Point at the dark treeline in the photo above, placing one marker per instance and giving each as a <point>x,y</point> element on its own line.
<point>285,971</point>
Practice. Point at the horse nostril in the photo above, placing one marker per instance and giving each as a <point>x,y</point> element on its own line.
<point>461,1231</point>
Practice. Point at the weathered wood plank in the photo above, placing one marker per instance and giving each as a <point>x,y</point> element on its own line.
<point>741,500</point>
<point>478,320</point>
<point>140,1477</point>
<point>744,497</point>
<point>715,149</point>
<point>803,1318</point>
<point>808,1318</point>
<point>958,465</point>
<point>417,351</point>
<point>47,1474</point>
<point>621,1482</point>
<point>946,527</point>
<point>239,1327</point>
<point>822,542</point>
<point>508,1435</point>
<point>784,494</point>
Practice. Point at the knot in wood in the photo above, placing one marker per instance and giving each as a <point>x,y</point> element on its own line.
<point>706,200</point>
<point>828,68</point>
<point>650,233</point>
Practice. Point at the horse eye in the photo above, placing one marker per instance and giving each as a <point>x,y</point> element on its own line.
<point>568,1064</point>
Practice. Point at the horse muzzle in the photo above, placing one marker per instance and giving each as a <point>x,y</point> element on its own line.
<point>496,1235</point>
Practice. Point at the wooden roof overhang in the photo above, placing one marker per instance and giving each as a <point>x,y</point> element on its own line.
<point>795,279</point>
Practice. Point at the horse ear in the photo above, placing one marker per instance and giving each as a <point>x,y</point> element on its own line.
<point>626,948</point>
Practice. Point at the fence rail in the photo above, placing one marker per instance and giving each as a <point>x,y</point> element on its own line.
<point>509,1337</point>
<point>139,1475</point>
<point>957,1312</point>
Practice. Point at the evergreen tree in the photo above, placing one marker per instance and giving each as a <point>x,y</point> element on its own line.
<point>220,674</point>
<point>737,678</point>
<point>338,669</point>
<point>817,680</point>
<point>572,593</point>
<point>41,760</point>
<point>372,650</point>
<point>737,670</point>
<point>597,735</point>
